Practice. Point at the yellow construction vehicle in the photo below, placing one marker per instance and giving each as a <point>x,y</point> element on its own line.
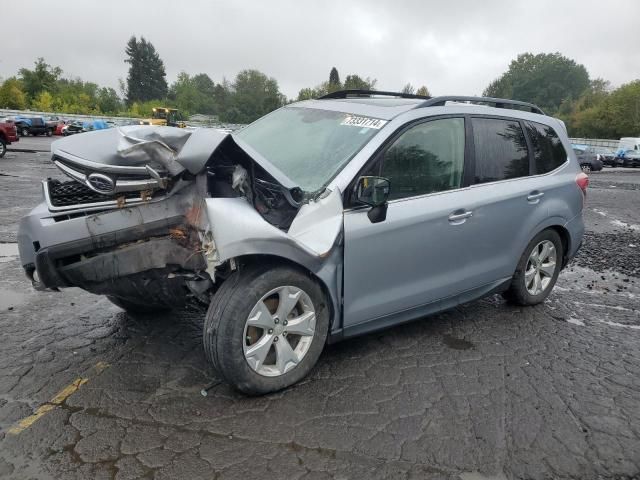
<point>163,116</point>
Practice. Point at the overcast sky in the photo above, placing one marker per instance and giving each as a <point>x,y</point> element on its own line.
<point>452,47</point>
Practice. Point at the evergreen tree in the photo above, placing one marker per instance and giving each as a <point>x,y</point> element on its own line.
<point>146,79</point>
<point>334,78</point>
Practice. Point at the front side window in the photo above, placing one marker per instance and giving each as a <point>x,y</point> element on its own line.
<point>427,158</point>
<point>310,146</point>
<point>548,151</point>
<point>500,150</point>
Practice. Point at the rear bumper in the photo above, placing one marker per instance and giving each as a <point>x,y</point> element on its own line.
<point>575,227</point>
<point>70,250</point>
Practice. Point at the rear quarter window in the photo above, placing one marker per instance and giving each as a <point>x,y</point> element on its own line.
<point>548,151</point>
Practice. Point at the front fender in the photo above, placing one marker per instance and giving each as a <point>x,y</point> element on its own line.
<point>313,240</point>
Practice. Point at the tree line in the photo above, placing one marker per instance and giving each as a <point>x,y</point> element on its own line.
<point>559,85</point>
<point>250,95</point>
<point>563,88</point>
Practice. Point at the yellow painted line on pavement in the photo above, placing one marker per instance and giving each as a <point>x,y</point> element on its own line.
<point>56,401</point>
<point>31,419</point>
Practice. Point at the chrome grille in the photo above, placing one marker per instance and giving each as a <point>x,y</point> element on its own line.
<point>63,194</point>
<point>72,195</point>
<point>122,179</point>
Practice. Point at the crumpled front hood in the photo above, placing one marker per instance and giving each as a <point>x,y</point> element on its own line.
<point>173,149</point>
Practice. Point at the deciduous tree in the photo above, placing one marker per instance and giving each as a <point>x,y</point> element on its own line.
<point>408,88</point>
<point>424,91</point>
<point>42,78</point>
<point>546,79</point>
<point>12,95</point>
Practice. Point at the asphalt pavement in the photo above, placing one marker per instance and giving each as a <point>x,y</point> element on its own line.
<point>484,391</point>
<point>33,144</point>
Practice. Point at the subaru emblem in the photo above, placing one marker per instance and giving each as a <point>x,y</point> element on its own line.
<point>101,183</point>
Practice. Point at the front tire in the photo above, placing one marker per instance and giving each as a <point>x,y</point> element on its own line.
<point>537,270</point>
<point>586,168</point>
<point>266,327</point>
<point>25,132</point>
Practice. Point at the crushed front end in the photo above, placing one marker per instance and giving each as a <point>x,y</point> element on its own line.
<point>125,223</point>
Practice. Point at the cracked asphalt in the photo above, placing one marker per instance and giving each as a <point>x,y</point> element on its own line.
<point>484,391</point>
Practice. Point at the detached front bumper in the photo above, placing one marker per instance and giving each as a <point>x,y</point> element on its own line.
<point>74,249</point>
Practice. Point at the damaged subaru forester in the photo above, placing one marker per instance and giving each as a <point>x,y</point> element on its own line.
<point>323,220</point>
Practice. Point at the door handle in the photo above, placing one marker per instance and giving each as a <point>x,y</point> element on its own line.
<point>534,197</point>
<point>458,218</point>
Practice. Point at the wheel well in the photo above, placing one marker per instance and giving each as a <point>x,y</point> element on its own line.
<point>564,236</point>
<point>276,260</point>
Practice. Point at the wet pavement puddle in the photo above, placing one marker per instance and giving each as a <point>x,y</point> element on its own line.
<point>456,343</point>
<point>8,252</point>
<point>10,299</point>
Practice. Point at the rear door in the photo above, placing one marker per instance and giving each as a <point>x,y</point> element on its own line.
<point>506,199</point>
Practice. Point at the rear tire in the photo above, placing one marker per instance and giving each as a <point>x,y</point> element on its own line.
<point>25,132</point>
<point>3,148</point>
<point>49,132</point>
<point>229,336</point>
<point>522,290</point>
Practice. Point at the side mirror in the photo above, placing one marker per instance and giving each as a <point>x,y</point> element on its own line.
<point>374,191</point>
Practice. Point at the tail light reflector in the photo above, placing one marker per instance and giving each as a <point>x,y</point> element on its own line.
<point>582,180</point>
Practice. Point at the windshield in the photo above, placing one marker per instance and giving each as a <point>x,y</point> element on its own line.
<point>308,145</point>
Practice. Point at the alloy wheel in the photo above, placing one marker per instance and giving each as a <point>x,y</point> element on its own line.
<point>586,168</point>
<point>541,266</point>
<point>279,331</point>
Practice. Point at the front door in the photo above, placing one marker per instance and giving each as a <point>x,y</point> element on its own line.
<point>420,252</point>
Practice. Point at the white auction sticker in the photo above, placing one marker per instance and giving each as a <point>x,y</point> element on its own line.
<point>366,122</point>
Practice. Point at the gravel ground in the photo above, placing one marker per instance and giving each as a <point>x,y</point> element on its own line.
<point>483,391</point>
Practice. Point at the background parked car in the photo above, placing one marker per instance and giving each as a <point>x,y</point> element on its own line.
<point>630,158</point>
<point>588,160</point>
<point>52,122</point>
<point>606,155</point>
<point>80,126</point>
<point>59,126</point>
<point>33,126</point>
<point>8,134</point>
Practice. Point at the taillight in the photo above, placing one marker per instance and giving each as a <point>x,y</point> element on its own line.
<point>582,180</point>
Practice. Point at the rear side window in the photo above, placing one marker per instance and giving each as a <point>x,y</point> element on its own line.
<point>548,151</point>
<point>500,150</point>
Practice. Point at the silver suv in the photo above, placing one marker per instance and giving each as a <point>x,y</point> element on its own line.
<point>323,220</point>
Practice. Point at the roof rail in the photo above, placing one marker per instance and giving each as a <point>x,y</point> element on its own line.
<point>498,102</point>
<point>369,93</point>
